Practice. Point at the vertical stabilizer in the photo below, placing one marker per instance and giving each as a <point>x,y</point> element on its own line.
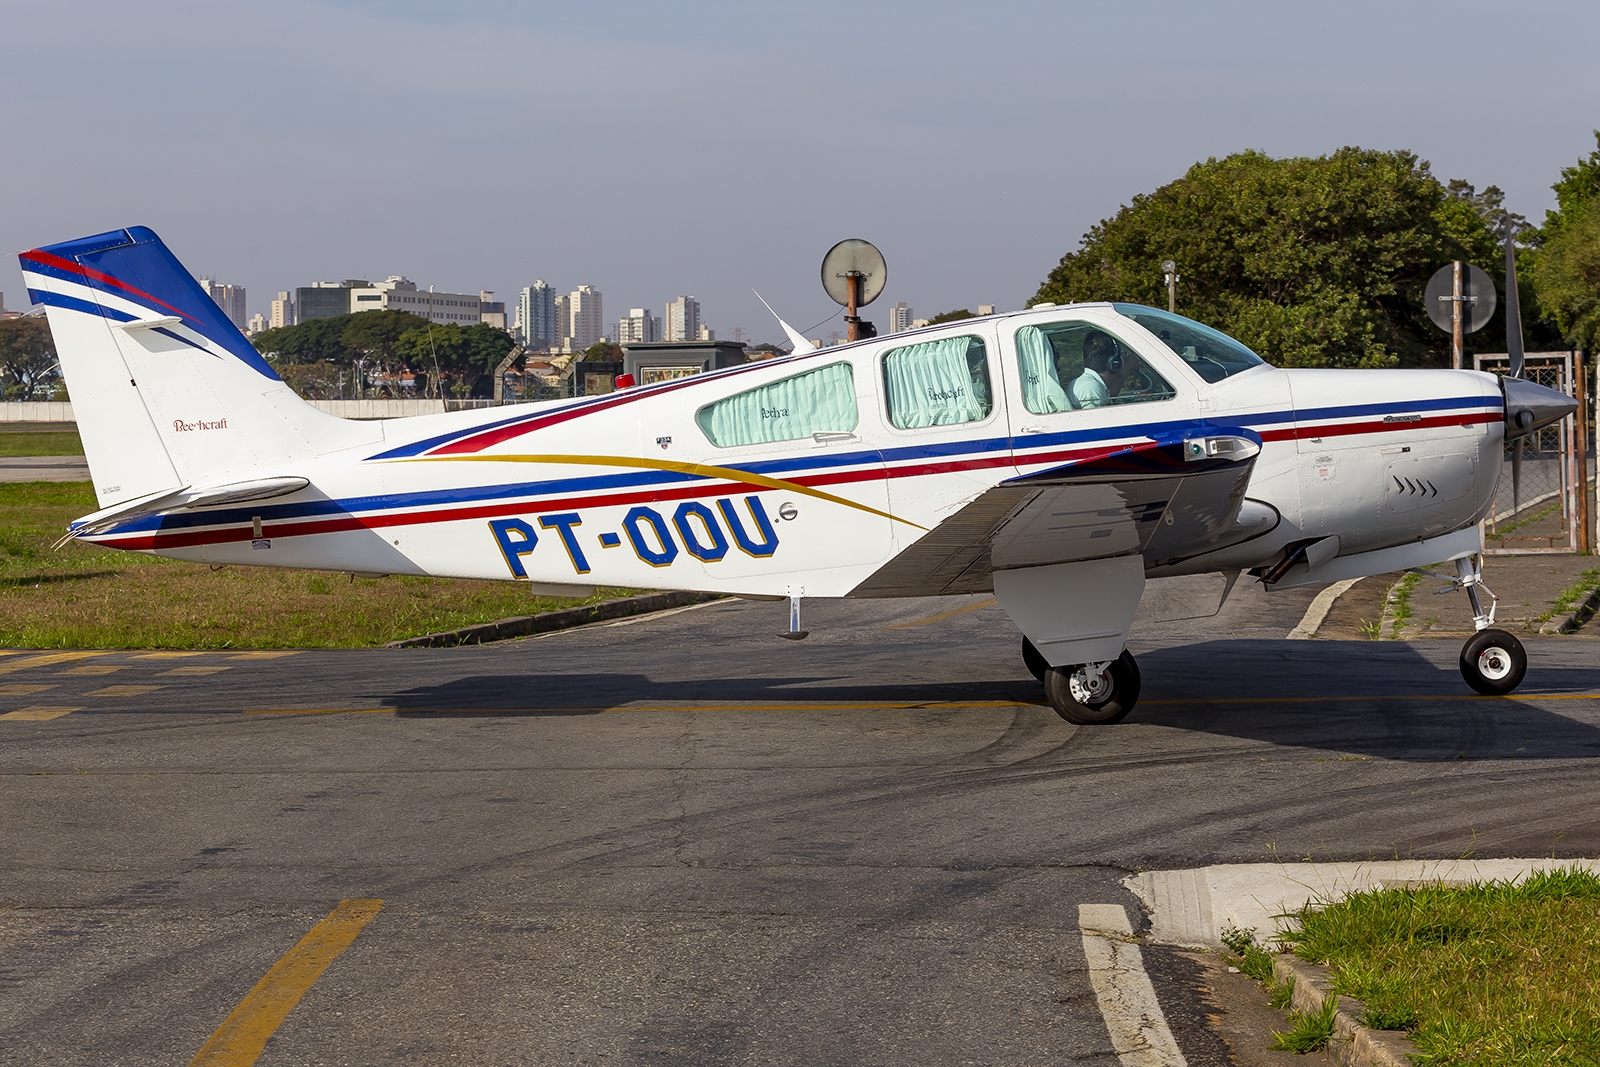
<point>166,391</point>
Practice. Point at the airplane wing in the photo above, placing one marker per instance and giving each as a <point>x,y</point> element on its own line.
<point>1167,500</point>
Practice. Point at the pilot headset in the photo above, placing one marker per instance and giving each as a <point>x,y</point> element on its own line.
<point>1114,364</point>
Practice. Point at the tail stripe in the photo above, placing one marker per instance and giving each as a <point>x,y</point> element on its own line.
<point>56,267</point>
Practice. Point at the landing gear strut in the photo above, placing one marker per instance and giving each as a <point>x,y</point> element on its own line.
<point>1092,694</point>
<point>1492,661</point>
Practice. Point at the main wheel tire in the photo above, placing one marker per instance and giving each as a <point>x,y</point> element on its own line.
<point>1097,708</point>
<point>1034,660</point>
<point>1493,662</point>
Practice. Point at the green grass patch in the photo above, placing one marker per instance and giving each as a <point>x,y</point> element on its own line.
<point>1400,601</point>
<point>1526,520</point>
<point>85,596</point>
<point>40,443</point>
<point>1488,974</point>
<point>1309,1031</point>
<point>1587,583</point>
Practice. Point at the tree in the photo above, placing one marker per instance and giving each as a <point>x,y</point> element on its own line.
<point>1576,189</point>
<point>27,359</point>
<point>603,350</point>
<point>1566,275</point>
<point>951,316</point>
<point>1311,262</point>
<point>466,356</point>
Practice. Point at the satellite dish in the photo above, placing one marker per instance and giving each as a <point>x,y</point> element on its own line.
<point>1477,298</point>
<point>854,257</point>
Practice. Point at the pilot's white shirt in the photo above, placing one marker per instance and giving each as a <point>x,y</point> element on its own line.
<point>1089,389</point>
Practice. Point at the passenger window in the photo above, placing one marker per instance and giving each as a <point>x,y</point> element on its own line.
<point>821,400</point>
<point>1066,366</point>
<point>938,383</point>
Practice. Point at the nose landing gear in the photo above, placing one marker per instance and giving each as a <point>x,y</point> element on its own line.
<point>1492,661</point>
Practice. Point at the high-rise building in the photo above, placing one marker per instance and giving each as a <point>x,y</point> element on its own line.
<point>900,318</point>
<point>682,322</point>
<point>325,300</point>
<point>639,327</point>
<point>282,312</point>
<point>587,320</point>
<point>705,333</point>
<point>258,322</point>
<point>536,316</point>
<point>491,312</point>
<point>985,309</point>
<point>563,323</point>
<point>230,298</point>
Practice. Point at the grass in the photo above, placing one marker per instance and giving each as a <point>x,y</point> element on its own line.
<point>40,443</point>
<point>1492,973</point>
<point>1400,599</point>
<point>1526,520</point>
<point>84,596</point>
<point>1587,583</point>
<point>1307,1032</point>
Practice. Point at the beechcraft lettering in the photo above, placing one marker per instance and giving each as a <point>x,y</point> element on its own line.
<point>1056,457</point>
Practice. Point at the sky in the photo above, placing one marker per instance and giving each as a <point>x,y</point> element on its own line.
<point>715,148</point>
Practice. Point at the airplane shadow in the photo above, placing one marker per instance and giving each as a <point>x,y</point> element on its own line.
<point>1356,698</point>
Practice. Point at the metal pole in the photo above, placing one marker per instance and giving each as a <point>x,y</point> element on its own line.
<point>852,323</point>
<point>1457,330</point>
<point>1580,426</point>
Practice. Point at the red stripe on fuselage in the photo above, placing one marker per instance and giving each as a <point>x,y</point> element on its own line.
<point>189,539</point>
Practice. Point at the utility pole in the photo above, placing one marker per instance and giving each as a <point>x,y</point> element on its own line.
<point>1458,334</point>
<point>1171,269</point>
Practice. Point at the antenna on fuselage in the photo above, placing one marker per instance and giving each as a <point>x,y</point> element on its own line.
<point>796,338</point>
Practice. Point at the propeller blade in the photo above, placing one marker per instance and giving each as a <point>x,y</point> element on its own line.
<point>1513,310</point>
<point>1516,475</point>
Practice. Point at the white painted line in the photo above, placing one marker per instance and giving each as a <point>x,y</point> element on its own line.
<point>1139,1032</point>
<point>1318,611</point>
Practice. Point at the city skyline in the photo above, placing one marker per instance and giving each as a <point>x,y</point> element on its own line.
<point>1087,107</point>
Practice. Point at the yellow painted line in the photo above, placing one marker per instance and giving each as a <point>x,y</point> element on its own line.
<point>95,668</point>
<point>192,672</point>
<point>125,690</point>
<point>38,713</point>
<point>46,660</point>
<point>22,689</point>
<point>945,615</point>
<point>10,652</point>
<point>863,706</point>
<point>1398,698</point>
<point>262,655</point>
<point>244,1033</point>
<point>168,655</point>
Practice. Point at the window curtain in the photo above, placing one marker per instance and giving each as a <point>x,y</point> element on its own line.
<point>932,384</point>
<point>1041,387</point>
<point>792,408</point>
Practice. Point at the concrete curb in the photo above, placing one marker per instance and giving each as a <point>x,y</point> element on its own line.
<point>1352,1043</point>
<point>1571,623</point>
<point>550,621</point>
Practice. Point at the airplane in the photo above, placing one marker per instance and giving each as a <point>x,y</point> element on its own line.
<point>1058,456</point>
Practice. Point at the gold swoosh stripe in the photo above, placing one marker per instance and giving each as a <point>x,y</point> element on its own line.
<point>703,470</point>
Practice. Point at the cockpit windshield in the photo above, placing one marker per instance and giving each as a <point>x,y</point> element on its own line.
<point>1209,353</point>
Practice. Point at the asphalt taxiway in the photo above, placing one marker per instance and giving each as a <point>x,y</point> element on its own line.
<point>681,839</point>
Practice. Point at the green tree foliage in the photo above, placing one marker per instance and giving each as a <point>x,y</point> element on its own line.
<point>951,316</point>
<point>1565,271</point>
<point>315,357</point>
<point>603,350</point>
<point>1311,262</point>
<point>27,359</point>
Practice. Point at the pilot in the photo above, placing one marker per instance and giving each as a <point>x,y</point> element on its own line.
<point>1106,366</point>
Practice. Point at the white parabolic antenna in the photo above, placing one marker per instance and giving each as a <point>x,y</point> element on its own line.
<point>854,258</point>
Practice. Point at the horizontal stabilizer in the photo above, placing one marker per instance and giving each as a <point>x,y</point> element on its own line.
<point>182,499</point>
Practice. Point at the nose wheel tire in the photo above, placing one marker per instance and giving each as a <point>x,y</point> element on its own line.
<point>1493,662</point>
<point>1034,660</point>
<point>1084,696</point>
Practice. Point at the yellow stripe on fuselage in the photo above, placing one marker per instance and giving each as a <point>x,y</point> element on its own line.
<point>703,470</point>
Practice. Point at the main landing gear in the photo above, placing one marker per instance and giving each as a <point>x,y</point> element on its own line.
<point>1089,694</point>
<point>1492,661</point>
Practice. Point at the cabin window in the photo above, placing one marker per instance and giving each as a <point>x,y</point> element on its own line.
<point>1069,366</point>
<point>818,401</point>
<point>1210,353</point>
<point>938,383</point>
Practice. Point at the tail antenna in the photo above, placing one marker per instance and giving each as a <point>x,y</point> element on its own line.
<point>796,338</point>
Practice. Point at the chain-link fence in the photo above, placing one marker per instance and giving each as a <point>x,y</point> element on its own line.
<point>1536,508</point>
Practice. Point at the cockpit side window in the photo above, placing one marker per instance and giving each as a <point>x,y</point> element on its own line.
<point>1070,366</point>
<point>818,401</point>
<point>1210,353</point>
<point>938,383</point>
